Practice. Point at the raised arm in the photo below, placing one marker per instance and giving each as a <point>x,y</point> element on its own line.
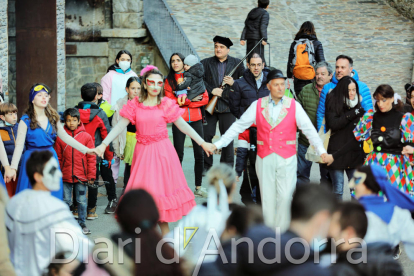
<point>122,124</point>
<point>246,120</point>
<point>67,139</point>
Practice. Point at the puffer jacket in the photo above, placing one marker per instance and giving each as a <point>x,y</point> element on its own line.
<point>245,92</point>
<point>73,162</point>
<point>255,25</point>
<point>96,123</point>
<point>193,78</point>
<point>366,102</point>
<point>8,135</point>
<point>211,80</point>
<point>192,112</point>
<point>317,46</point>
<point>309,99</point>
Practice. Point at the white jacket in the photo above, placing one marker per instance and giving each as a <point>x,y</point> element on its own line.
<point>120,141</point>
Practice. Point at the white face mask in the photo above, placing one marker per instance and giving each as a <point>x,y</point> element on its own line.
<point>52,175</point>
<point>155,83</point>
<point>124,65</point>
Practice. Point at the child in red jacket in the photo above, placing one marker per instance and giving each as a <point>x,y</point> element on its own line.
<point>76,165</point>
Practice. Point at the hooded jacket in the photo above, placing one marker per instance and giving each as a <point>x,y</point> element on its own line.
<point>96,123</point>
<point>8,135</point>
<point>366,102</point>
<point>72,161</point>
<point>193,78</point>
<point>317,46</point>
<point>245,91</point>
<point>255,25</point>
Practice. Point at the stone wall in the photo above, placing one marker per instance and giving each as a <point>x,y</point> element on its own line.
<point>127,14</point>
<point>11,72</point>
<point>61,57</point>
<point>404,7</point>
<point>4,46</point>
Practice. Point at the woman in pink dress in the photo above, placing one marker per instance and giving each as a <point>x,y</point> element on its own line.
<point>155,166</point>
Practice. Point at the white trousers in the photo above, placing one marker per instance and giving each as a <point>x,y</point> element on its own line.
<point>277,181</point>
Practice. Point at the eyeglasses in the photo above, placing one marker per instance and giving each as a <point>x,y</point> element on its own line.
<point>40,87</point>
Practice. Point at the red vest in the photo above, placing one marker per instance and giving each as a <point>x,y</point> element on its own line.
<point>278,136</point>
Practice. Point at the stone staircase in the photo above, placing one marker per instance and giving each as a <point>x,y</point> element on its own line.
<point>380,40</point>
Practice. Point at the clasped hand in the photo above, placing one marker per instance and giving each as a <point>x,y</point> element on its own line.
<point>98,151</point>
<point>327,158</point>
<point>208,148</point>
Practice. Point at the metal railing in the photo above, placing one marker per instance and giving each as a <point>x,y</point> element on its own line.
<point>165,30</point>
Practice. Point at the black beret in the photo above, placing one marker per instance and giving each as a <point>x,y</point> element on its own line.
<point>223,40</point>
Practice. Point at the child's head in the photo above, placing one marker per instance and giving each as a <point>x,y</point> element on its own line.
<point>100,90</point>
<point>8,113</point>
<point>133,87</point>
<point>89,92</point>
<point>263,4</point>
<point>189,61</point>
<point>224,173</point>
<point>72,118</point>
<point>43,171</point>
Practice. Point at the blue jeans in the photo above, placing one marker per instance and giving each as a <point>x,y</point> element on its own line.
<point>80,191</point>
<point>337,177</point>
<point>304,166</point>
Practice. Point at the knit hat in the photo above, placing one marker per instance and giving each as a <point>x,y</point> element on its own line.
<point>191,60</point>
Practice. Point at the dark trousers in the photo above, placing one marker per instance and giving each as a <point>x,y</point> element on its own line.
<point>225,121</point>
<point>247,187</point>
<point>259,49</point>
<point>106,174</point>
<point>127,174</point>
<point>179,139</point>
<point>299,84</point>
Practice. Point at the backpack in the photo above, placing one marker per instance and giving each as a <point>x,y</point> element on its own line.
<point>303,60</point>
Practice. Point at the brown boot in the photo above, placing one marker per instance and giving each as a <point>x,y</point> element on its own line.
<point>75,212</point>
<point>92,214</point>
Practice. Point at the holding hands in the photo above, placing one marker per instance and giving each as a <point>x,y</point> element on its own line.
<point>208,148</point>
<point>327,158</point>
<point>9,174</point>
<point>407,150</point>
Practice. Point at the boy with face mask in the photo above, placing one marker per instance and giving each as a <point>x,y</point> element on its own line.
<point>8,133</point>
<point>39,224</point>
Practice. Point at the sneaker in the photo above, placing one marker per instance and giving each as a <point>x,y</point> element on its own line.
<point>201,192</point>
<point>85,229</point>
<point>92,214</point>
<point>75,212</point>
<point>397,252</point>
<point>110,209</point>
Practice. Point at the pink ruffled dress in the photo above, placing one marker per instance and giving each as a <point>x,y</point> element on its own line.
<point>155,166</point>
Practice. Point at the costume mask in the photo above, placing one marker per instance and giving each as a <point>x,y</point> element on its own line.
<point>52,175</point>
<point>154,84</point>
<point>359,177</point>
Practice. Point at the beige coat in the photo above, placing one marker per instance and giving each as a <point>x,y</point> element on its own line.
<point>120,141</point>
<point>6,267</point>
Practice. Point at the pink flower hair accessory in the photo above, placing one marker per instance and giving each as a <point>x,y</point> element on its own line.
<point>147,68</point>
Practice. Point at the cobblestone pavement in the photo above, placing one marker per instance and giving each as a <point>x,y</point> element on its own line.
<point>380,41</point>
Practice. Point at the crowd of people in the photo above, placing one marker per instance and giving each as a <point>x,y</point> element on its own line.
<point>53,164</point>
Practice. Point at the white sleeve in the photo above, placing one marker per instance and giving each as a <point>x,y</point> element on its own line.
<point>67,139</point>
<point>185,128</point>
<point>120,126</point>
<point>405,224</point>
<point>3,155</point>
<point>18,150</point>
<point>245,121</point>
<point>304,123</point>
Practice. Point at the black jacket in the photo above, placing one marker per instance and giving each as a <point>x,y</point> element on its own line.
<point>211,80</point>
<point>245,91</point>
<point>380,262</point>
<point>317,45</point>
<point>255,25</point>
<point>193,78</point>
<point>346,150</point>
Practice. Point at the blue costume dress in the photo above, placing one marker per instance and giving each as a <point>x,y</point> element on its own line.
<point>36,139</point>
<point>2,181</point>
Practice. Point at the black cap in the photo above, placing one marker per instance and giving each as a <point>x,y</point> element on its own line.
<point>223,40</point>
<point>275,74</point>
